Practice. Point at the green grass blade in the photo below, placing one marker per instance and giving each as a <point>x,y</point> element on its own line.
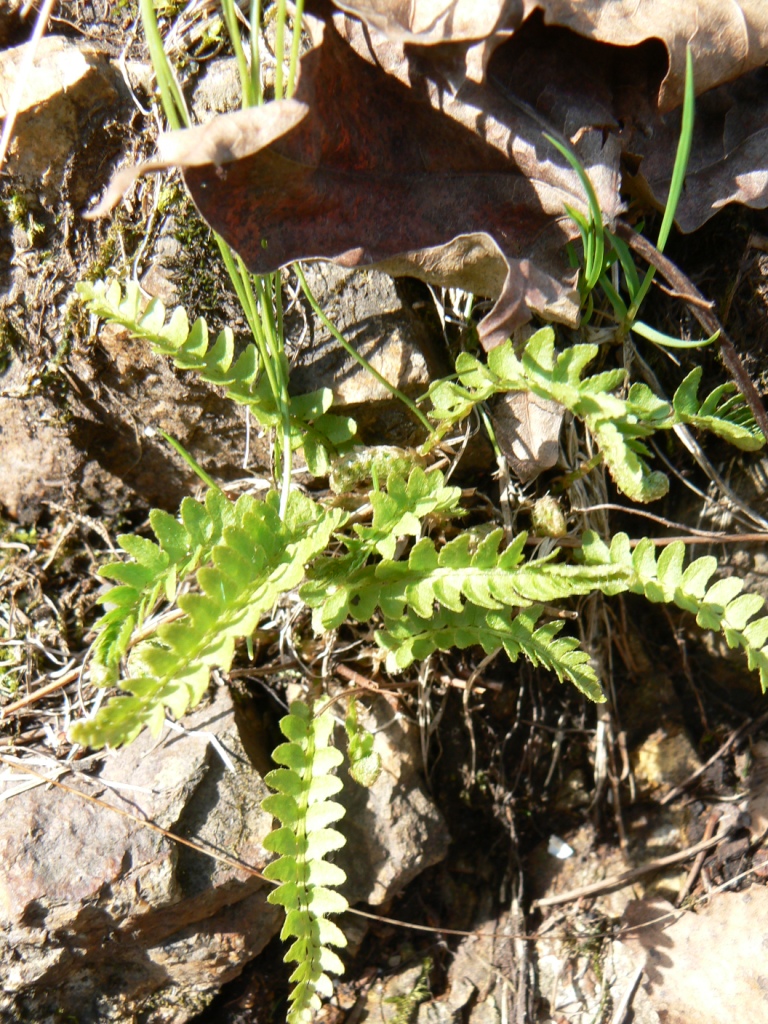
<point>593,270</point>
<point>676,185</point>
<point>666,340</point>
<point>233,28</point>
<point>174,106</point>
<point>682,156</point>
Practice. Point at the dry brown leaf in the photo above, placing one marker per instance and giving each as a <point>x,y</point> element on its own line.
<point>727,38</point>
<point>729,155</point>
<point>459,190</point>
<point>527,429</point>
<point>589,64</point>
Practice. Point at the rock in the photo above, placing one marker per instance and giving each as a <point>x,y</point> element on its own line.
<point>370,310</point>
<point>110,921</point>
<point>664,760</point>
<point>67,86</point>
<point>217,90</point>
<point>702,968</point>
<point>92,441</point>
<point>477,987</point>
<point>104,919</point>
<point>394,830</point>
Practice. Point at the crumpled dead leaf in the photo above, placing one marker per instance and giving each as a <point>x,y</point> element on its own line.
<point>461,191</point>
<point>527,429</point>
<point>729,154</point>
<point>593,64</point>
<point>431,160</point>
<point>726,39</point>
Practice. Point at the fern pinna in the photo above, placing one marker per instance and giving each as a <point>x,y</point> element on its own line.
<point>319,433</point>
<point>252,558</point>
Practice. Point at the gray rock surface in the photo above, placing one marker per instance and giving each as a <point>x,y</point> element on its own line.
<point>109,921</point>
<point>103,918</point>
<point>369,309</point>
<point>393,829</point>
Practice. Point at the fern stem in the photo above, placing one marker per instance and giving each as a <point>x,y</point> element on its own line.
<point>352,351</point>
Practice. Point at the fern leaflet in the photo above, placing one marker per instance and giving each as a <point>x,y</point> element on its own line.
<point>618,424</point>
<point>720,607</point>
<point>257,558</point>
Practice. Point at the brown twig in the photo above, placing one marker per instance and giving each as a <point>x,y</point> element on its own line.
<point>693,874</point>
<point>698,306</point>
<point>746,727</point>
<point>36,695</point>
<point>628,877</point>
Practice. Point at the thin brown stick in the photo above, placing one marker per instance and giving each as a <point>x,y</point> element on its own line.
<point>746,727</point>
<point>693,297</point>
<point>628,877</point>
<point>693,874</point>
<point>44,691</point>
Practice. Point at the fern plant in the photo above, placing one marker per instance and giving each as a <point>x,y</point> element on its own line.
<point>220,566</point>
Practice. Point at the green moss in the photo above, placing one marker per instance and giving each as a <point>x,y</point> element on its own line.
<point>18,209</point>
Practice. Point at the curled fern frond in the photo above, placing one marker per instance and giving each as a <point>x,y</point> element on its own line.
<point>724,412</point>
<point>364,762</point>
<point>307,891</point>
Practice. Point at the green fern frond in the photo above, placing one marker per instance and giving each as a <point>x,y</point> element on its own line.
<point>398,513</point>
<point>617,424</point>
<point>257,557</point>
<point>730,419</point>
<point>307,891</point>
<point>468,569</point>
<point>412,638</point>
<point>720,607</point>
<point>322,434</point>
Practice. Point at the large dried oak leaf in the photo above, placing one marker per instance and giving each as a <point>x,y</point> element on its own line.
<point>458,190</point>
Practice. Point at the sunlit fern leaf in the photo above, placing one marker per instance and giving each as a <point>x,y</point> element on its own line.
<point>307,891</point>
<point>617,424</point>
<point>239,375</point>
<point>253,558</point>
